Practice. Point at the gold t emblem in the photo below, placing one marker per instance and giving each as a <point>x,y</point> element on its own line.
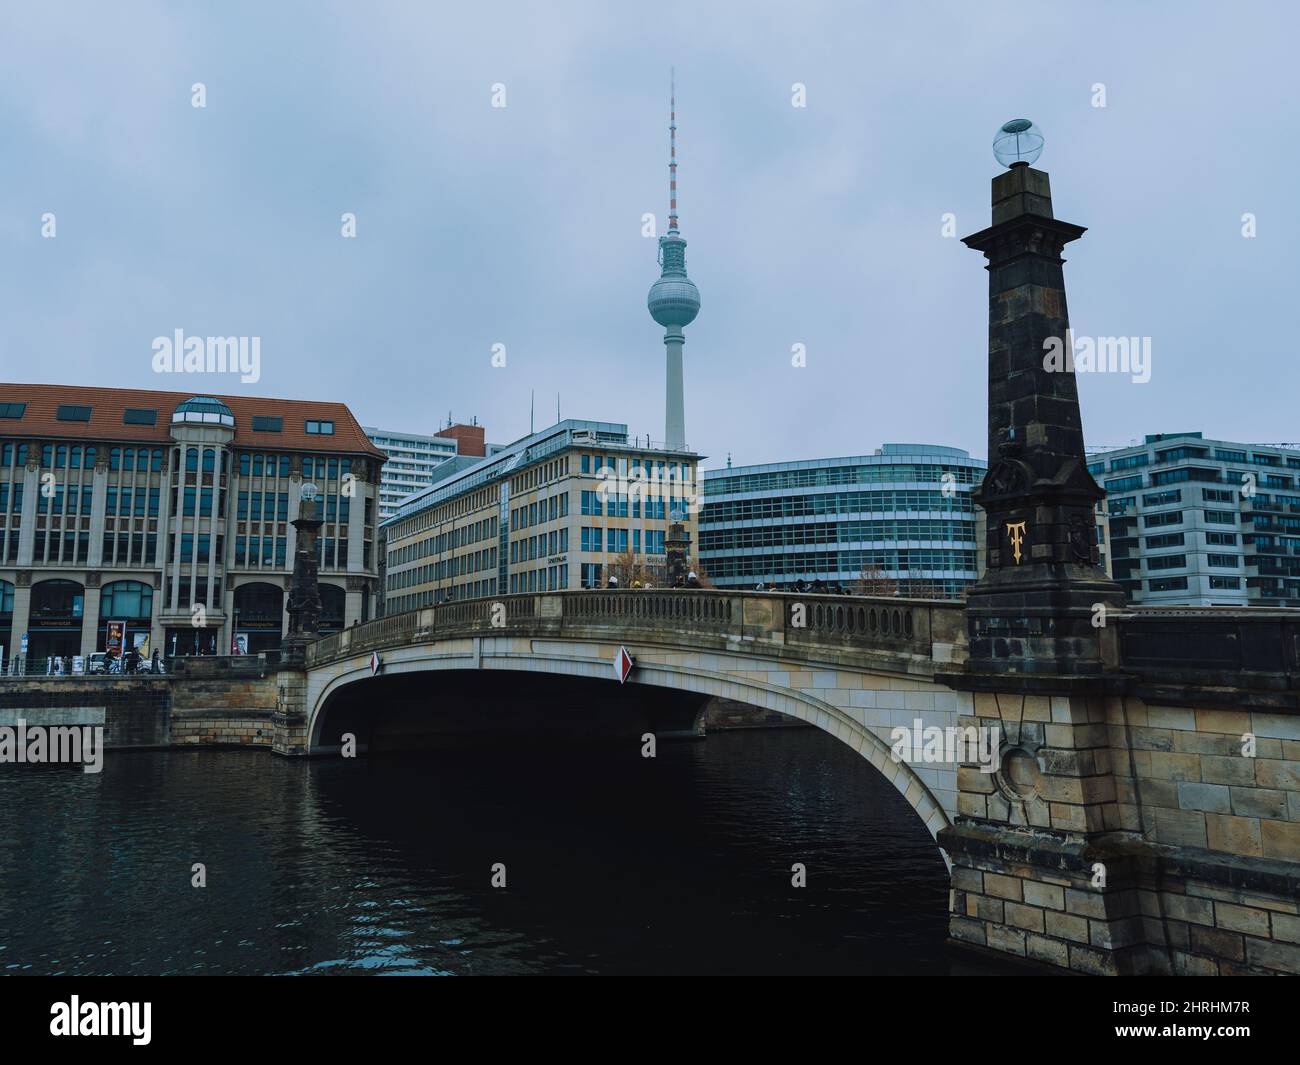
<point>1016,531</point>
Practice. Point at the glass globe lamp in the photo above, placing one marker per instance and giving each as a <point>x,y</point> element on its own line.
<point>1018,141</point>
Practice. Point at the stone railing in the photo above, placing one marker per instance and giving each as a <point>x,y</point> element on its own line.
<point>913,628</point>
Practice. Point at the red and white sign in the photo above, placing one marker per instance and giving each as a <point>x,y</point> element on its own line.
<point>623,664</point>
<point>376,663</point>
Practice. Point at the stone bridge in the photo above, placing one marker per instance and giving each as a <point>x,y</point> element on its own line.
<point>1143,812</point>
<point>853,667</point>
<point>1143,820</point>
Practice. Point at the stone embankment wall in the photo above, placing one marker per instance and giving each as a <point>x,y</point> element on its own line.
<point>228,702</point>
<point>225,702</point>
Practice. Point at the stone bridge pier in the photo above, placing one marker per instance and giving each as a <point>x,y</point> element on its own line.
<point>1145,816</point>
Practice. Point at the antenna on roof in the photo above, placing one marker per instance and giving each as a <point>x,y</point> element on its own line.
<point>557,408</point>
<point>532,396</point>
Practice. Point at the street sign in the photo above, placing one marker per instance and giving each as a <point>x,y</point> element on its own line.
<point>623,664</point>
<point>376,663</point>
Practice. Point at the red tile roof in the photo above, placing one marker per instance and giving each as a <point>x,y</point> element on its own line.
<point>108,406</point>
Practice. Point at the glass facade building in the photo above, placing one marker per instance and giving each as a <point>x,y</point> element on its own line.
<point>1196,522</point>
<point>901,518</point>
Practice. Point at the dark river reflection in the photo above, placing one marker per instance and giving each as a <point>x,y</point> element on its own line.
<point>614,863</point>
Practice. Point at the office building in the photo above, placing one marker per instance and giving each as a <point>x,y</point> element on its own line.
<point>412,459</point>
<point>170,513</point>
<point>560,509</point>
<point>899,520</point>
<point>1203,522</point>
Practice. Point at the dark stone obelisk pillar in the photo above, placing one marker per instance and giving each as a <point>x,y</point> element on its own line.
<point>304,604</point>
<point>1035,610</point>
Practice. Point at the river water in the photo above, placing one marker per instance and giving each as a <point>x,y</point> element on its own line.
<point>612,863</point>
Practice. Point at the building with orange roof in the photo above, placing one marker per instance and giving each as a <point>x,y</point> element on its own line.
<point>169,515</point>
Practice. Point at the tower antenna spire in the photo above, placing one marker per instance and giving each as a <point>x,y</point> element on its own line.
<point>674,300</point>
<point>672,150</point>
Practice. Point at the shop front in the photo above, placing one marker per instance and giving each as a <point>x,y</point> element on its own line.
<point>56,619</point>
<point>258,618</point>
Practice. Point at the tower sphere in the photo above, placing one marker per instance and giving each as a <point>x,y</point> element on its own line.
<point>1017,141</point>
<point>673,301</point>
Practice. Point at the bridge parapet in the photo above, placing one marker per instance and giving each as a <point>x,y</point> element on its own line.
<point>1244,651</point>
<point>918,631</point>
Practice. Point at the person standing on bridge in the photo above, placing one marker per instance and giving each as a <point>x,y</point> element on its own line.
<point>612,582</point>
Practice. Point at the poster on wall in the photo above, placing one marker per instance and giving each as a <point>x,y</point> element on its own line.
<point>114,635</point>
<point>240,644</point>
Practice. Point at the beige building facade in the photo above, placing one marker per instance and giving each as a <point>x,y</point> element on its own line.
<point>564,508</point>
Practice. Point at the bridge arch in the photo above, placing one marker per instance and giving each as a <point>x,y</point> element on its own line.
<point>591,661</point>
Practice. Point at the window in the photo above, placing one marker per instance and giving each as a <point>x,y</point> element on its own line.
<point>1123,484</point>
<point>317,428</point>
<point>1169,517</point>
<point>1167,562</point>
<point>67,413</point>
<point>1168,584</point>
<point>1157,499</point>
<point>1223,561</point>
<point>12,410</point>
<point>1225,582</point>
<point>139,416</point>
<point>265,423</point>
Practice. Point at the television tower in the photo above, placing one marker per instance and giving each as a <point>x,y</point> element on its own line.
<point>674,301</point>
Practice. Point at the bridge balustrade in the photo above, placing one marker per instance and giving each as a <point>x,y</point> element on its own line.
<point>841,623</point>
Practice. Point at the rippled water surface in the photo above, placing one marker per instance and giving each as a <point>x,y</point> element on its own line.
<point>614,863</point>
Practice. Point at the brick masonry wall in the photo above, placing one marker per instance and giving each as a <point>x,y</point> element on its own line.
<point>1175,850</point>
<point>225,711</point>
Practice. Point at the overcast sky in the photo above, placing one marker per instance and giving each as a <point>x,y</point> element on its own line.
<point>521,225</point>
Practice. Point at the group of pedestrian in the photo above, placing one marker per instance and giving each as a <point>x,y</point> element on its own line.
<point>803,587</point>
<point>691,580</point>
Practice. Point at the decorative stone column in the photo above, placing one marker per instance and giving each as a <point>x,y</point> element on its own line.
<point>1035,873</point>
<point>290,719</point>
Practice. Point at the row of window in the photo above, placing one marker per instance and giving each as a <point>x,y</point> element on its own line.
<point>839,503</point>
<point>618,505</point>
<point>812,477</point>
<point>444,569</point>
<point>471,533</point>
<point>620,541</point>
<point>845,532</point>
<point>1129,462</point>
<point>549,509</point>
<point>526,548</point>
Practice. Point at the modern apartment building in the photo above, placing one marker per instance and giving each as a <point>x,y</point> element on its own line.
<point>1203,522</point>
<point>170,514</point>
<point>556,510</point>
<point>902,516</point>
<point>410,465</point>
